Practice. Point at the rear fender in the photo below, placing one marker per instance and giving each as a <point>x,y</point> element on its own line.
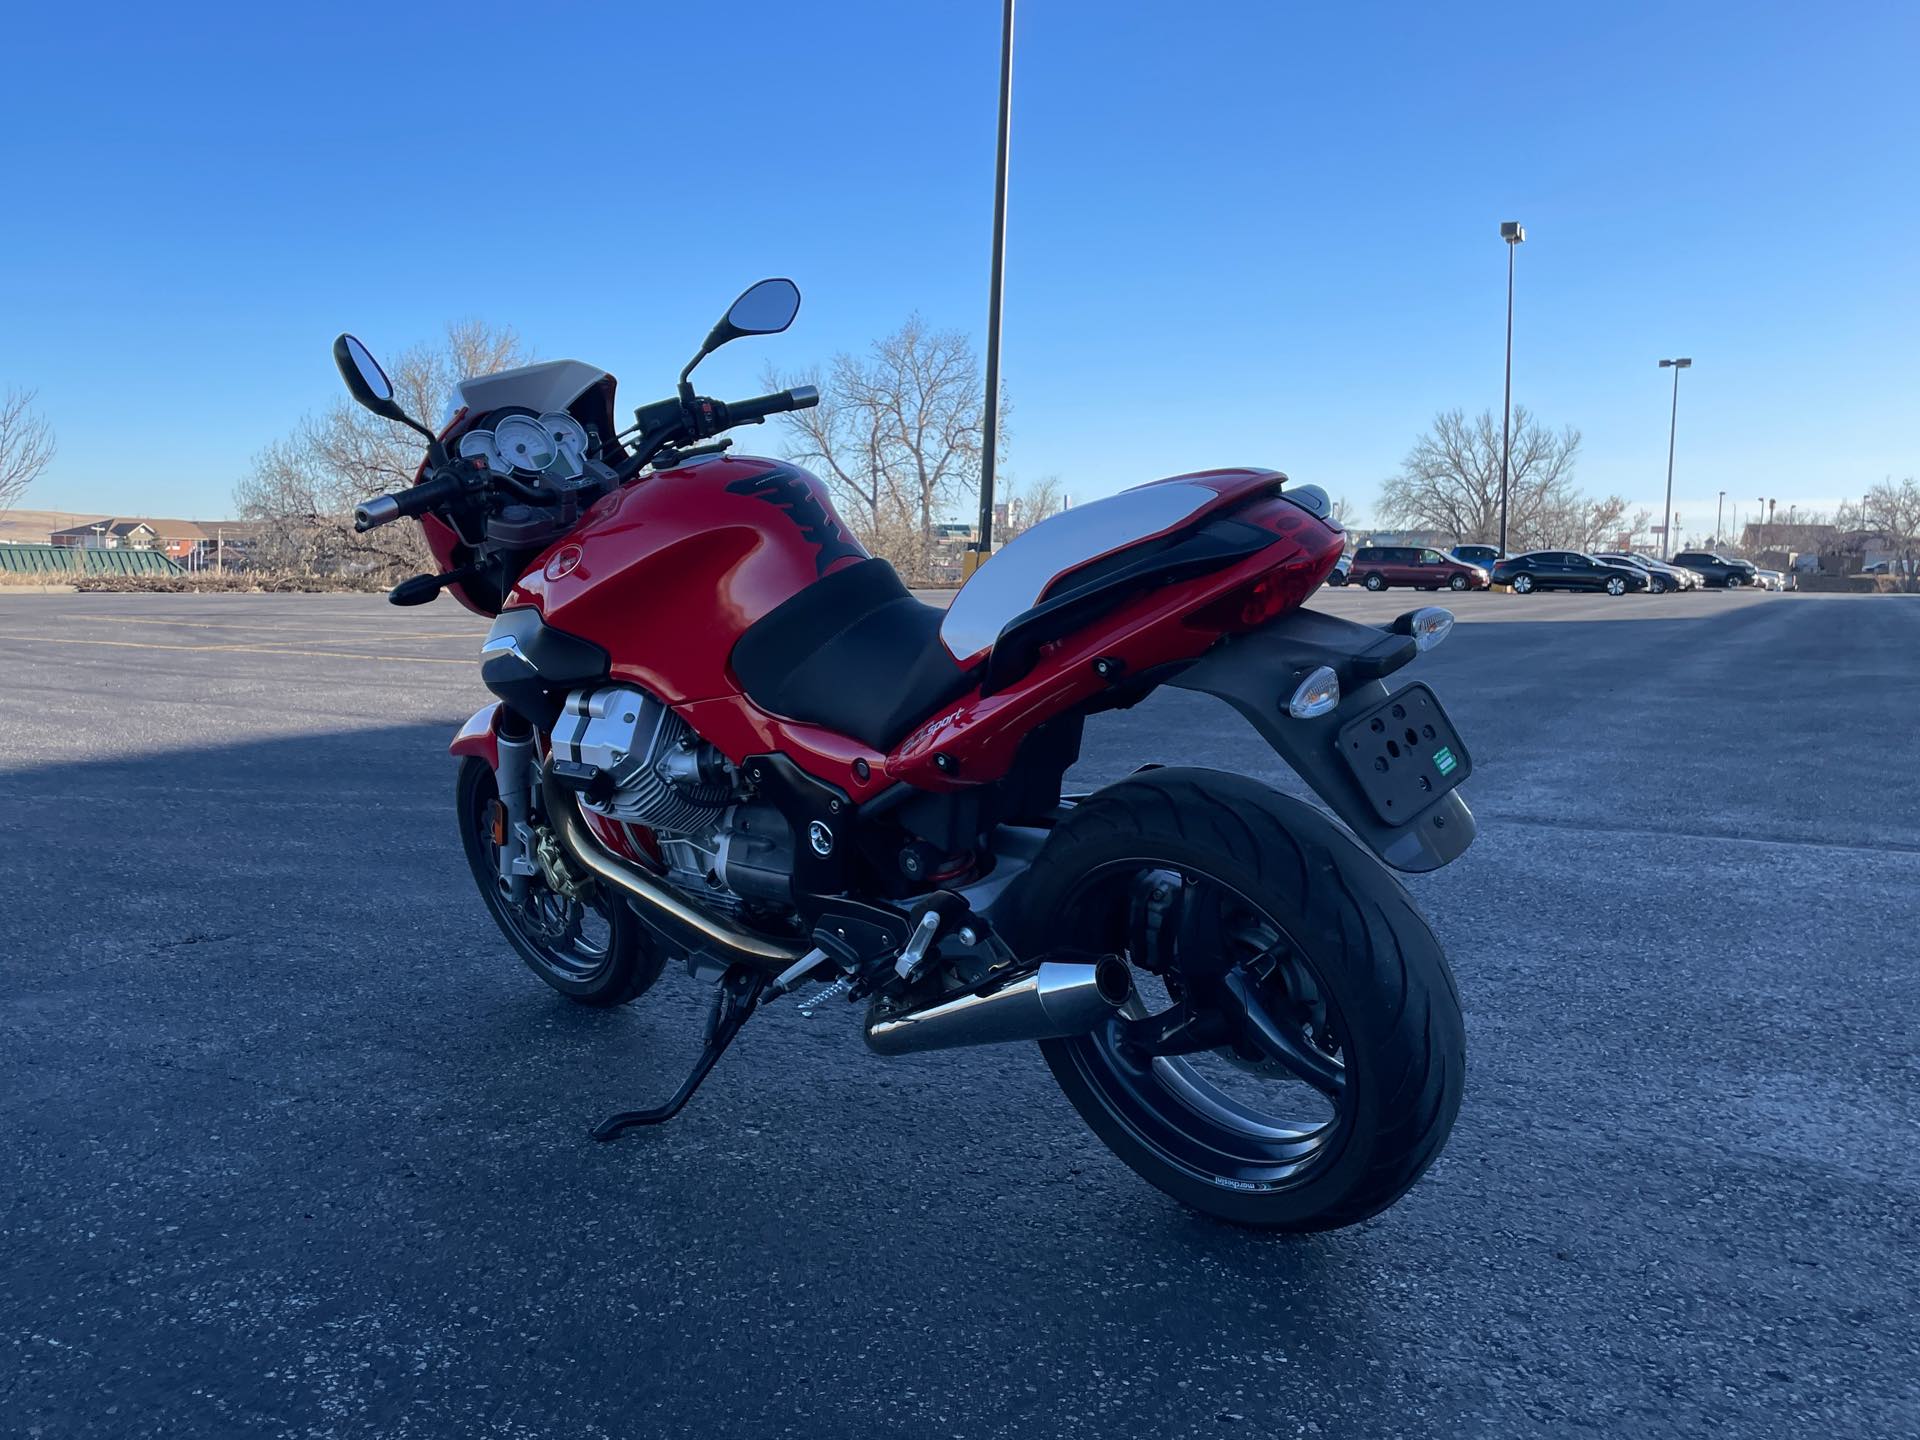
<point>1257,673</point>
<point>479,736</point>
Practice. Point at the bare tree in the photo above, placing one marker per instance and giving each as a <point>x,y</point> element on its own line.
<point>305,485</point>
<point>896,435</point>
<point>1028,504</point>
<point>1894,510</point>
<point>1450,482</point>
<point>26,446</point>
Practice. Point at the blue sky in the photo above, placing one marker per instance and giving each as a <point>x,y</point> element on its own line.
<point>1240,233</point>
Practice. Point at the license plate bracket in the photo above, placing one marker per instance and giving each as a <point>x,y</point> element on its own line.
<point>1405,753</point>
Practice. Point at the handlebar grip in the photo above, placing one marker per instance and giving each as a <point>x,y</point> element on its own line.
<point>747,412</point>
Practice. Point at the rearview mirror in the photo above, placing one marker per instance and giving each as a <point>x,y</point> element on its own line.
<point>368,383</point>
<point>764,309</point>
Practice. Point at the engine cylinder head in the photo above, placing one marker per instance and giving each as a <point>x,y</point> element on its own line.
<point>650,754</point>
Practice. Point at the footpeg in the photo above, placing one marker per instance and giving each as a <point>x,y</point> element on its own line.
<point>738,995</point>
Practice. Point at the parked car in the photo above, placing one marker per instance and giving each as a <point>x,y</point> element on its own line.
<point>1716,570</point>
<point>1379,566</point>
<point>1689,579</point>
<point>1485,556</point>
<point>1338,575</point>
<point>1770,579</point>
<point>1661,577</point>
<point>1568,570</point>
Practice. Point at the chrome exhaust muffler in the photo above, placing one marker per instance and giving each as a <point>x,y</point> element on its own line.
<point>1058,1000</point>
<point>659,903</point>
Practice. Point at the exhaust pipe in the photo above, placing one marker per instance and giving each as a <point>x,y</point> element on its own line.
<point>1058,1000</point>
<point>659,904</point>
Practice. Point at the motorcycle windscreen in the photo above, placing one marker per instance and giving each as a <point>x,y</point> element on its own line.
<point>1018,574</point>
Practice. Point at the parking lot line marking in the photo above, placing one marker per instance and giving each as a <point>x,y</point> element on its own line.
<point>261,625</point>
<point>238,650</point>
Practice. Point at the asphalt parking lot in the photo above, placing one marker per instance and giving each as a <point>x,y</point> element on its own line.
<point>290,1144</point>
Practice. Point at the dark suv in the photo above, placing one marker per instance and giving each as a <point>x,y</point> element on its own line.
<point>1379,566</point>
<point>1567,570</point>
<point>1713,570</point>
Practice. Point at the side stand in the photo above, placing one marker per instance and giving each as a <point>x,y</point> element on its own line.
<point>739,993</point>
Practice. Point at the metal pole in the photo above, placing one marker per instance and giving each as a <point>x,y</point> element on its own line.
<point>1718,510</point>
<point>1506,404</point>
<point>990,412</point>
<point>1673,423</point>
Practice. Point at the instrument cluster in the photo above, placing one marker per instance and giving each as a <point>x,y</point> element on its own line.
<point>553,445</point>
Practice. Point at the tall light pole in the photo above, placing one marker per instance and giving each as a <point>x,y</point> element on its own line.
<point>990,411</point>
<point>1515,234</point>
<point>1718,510</point>
<point>1673,424</point>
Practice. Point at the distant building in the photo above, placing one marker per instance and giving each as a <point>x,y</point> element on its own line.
<point>1431,539</point>
<point>1796,539</point>
<point>108,534</point>
<point>190,542</point>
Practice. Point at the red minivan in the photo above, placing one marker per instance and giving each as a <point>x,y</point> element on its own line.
<point>1379,566</point>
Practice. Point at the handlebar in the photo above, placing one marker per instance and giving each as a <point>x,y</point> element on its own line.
<point>665,423</point>
<point>752,412</point>
<point>442,486</point>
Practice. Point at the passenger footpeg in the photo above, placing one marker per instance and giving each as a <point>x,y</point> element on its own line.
<point>737,996</point>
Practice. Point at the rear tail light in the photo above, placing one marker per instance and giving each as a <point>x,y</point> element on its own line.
<point>1257,601</point>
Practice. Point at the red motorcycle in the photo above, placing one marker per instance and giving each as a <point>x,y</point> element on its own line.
<point>726,734</point>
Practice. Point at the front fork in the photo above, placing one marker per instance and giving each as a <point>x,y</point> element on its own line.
<point>514,776</point>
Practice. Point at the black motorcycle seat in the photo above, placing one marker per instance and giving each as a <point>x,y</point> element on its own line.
<point>854,653</point>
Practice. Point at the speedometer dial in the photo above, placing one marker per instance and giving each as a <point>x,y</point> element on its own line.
<point>523,443</point>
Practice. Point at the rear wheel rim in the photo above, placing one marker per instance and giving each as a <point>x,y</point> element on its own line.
<point>1523,584</point>
<point>1239,1116</point>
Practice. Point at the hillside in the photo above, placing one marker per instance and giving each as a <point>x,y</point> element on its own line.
<point>36,525</point>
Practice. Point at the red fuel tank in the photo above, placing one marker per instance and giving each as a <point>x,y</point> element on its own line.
<point>665,574</point>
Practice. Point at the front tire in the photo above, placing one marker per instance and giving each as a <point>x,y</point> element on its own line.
<point>594,952</point>
<point>1457,583</point>
<point>1616,586</point>
<point>1372,1060</point>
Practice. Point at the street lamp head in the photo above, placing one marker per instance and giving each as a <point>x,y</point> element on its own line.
<point>1512,231</point>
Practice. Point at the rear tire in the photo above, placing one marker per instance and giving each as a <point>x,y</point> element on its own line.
<point>609,959</point>
<point>1388,1013</point>
<point>1375,583</point>
<point>1523,584</point>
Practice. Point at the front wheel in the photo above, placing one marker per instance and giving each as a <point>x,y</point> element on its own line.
<point>1616,586</point>
<point>1293,1056</point>
<point>1457,583</point>
<point>594,950</point>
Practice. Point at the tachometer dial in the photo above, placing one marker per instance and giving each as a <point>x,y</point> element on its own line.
<point>480,444</point>
<point>524,443</point>
<point>570,438</point>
